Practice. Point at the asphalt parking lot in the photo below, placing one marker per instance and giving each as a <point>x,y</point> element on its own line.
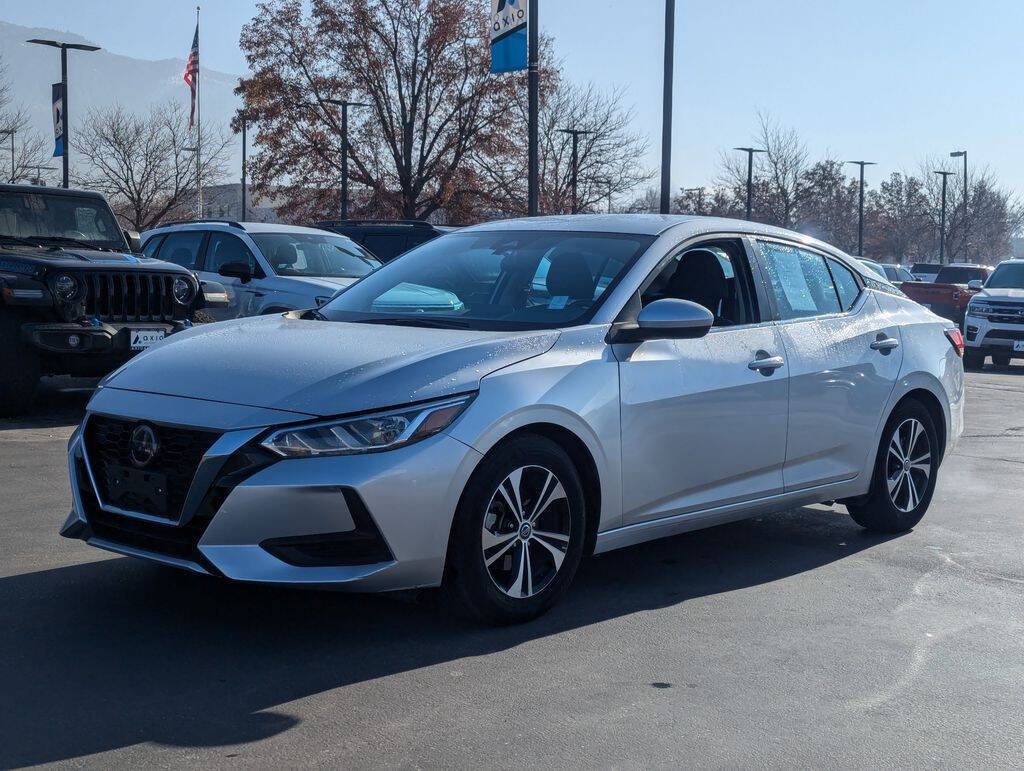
<point>789,640</point>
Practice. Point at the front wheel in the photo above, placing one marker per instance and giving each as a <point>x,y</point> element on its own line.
<point>19,377</point>
<point>519,532</point>
<point>905,472</point>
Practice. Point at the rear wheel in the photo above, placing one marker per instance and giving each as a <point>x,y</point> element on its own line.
<point>19,377</point>
<point>1002,360</point>
<point>519,532</point>
<point>974,359</point>
<point>905,472</point>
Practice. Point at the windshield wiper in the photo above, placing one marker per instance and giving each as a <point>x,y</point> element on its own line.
<point>71,241</point>
<point>15,240</point>
<point>428,322</point>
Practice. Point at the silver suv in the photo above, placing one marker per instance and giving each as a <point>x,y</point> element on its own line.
<point>265,268</point>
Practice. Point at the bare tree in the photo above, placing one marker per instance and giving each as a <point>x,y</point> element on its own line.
<point>142,164</point>
<point>30,148</point>
<point>778,172</point>
<point>609,155</point>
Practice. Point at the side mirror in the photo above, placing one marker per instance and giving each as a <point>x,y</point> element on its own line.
<point>134,240</point>
<point>239,270</point>
<point>667,319</point>
<point>214,294</point>
<point>975,285</point>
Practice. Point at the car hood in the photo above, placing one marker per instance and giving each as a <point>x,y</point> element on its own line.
<point>77,258</point>
<point>322,367</point>
<point>1000,294</point>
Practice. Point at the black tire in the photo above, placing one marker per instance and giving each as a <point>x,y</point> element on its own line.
<point>469,578</point>
<point>1002,360</point>
<point>974,359</point>
<point>881,511</point>
<point>19,377</point>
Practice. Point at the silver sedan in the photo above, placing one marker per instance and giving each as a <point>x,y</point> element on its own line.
<point>504,401</point>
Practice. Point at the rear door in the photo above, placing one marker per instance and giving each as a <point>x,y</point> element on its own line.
<point>704,421</point>
<point>243,296</point>
<point>844,356</point>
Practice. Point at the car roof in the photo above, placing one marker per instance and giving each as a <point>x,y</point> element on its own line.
<point>230,227</point>
<point>49,190</point>
<point>967,265</point>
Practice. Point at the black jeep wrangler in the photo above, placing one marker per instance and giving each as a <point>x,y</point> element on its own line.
<point>75,299</point>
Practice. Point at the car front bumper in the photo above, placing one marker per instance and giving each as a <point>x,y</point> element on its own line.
<point>992,336</point>
<point>371,522</point>
<point>96,339</point>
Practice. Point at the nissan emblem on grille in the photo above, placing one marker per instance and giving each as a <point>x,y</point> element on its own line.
<point>144,445</point>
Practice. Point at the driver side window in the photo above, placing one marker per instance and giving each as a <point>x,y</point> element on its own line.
<point>713,274</point>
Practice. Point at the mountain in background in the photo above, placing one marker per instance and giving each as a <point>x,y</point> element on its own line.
<point>102,78</point>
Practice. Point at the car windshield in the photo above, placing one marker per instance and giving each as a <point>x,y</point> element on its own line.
<point>315,254</point>
<point>496,279</point>
<point>1008,276</point>
<point>59,219</point>
<point>957,275</point>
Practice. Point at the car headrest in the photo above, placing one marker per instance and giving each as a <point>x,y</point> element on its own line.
<point>570,276</point>
<point>285,256</point>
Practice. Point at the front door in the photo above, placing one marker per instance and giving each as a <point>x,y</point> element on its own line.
<point>844,358</point>
<point>704,421</point>
<point>243,296</point>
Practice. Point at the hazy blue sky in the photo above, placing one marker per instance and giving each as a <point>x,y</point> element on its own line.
<point>880,80</point>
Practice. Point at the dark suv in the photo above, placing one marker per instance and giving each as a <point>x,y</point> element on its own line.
<point>386,239</point>
<point>74,298</point>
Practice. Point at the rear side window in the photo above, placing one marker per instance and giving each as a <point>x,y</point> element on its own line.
<point>385,246</point>
<point>151,245</point>
<point>182,248</point>
<point>846,284</point>
<point>800,280</point>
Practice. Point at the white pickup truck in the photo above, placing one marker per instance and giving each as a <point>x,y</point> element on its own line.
<point>994,323</point>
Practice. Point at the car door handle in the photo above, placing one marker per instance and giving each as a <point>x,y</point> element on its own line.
<point>885,344</point>
<point>766,365</point>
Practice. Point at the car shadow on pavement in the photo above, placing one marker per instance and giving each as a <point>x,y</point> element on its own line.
<point>107,654</point>
<point>60,402</point>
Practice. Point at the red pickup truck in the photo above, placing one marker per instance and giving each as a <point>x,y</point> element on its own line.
<point>948,295</point>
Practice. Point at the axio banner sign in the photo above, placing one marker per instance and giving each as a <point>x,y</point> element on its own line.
<point>508,35</point>
<point>58,120</point>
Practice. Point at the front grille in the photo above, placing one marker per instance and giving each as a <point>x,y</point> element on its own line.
<point>168,540</point>
<point>130,296</point>
<point>108,444</point>
<point>1006,334</point>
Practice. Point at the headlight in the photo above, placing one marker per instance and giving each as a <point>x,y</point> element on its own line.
<point>65,287</point>
<point>367,433</point>
<point>182,289</point>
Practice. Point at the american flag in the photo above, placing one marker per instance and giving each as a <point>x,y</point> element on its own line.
<point>191,76</point>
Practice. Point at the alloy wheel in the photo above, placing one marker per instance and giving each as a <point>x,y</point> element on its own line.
<point>908,465</point>
<point>526,531</point>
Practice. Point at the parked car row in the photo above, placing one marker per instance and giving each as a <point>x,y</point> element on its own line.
<point>950,291</point>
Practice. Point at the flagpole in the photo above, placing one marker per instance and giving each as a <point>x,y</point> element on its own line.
<point>199,126</point>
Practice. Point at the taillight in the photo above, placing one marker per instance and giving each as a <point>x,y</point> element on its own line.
<point>956,339</point>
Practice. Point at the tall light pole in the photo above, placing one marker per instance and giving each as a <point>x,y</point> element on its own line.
<point>533,109</point>
<point>860,206</point>
<point>5,133</point>
<point>700,197</point>
<point>666,107</point>
<point>65,123</point>
<point>942,221</point>
<point>344,104</point>
<point>750,176</point>
<point>244,181</point>
<point>958,154</point>
<point>575,134</point>
<point>38,168</point>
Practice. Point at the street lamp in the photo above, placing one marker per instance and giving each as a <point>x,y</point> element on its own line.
<point>344,104</point>
<point>750,175</point>
<point>576,134</point>
<point>666,107</point>
<point>5,133</point>
<point>700,197</point>
<point>958,154</point>
<point>860,207</point>
<point>65,124</point>
<point>942,225</point>
<point>37,167</point>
